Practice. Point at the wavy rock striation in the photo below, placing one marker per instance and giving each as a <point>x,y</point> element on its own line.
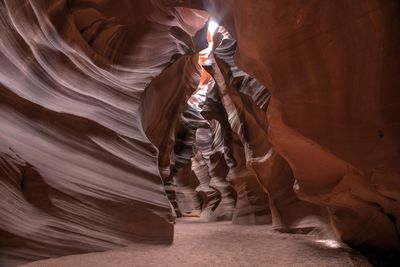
<point>114,120</point>
<point>78,158</point>
<point>332,125</point>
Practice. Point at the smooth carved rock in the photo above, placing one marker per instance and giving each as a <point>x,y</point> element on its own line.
<point>78,173</point>
<point>217,171</point>
<point>246,101</point>
<point>182,173</point>
<point>209,197</point>
<point>251,205</point>
<point>334,112</point>
<point>186,196</point>
<point>107,119</point>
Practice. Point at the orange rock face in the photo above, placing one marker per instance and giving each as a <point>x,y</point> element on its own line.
<point>331,68</point>
<point>113,122</point>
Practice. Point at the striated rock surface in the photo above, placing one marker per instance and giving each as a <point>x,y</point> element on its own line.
<point>252,205</point>
<point>334,105</point>
<point>246,101</point>
<point>78,152</point>
<point>115,120</point>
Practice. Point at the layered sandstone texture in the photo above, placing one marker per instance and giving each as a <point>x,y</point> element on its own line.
<point>332,69</point>
<point>87,88</point>
<point>115,121</point>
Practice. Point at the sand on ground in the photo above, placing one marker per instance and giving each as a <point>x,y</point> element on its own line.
<point>199,243</point>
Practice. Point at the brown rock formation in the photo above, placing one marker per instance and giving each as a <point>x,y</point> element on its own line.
<point>246,101</point>
<point>107,118</point>
<point>78,173</point>
<point>252,205</point>
<point>334,110</point>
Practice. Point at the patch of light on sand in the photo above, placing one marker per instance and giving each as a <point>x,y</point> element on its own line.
<point>329,243</point>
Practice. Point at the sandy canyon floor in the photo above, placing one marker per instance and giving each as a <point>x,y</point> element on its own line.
<point>198,243</point>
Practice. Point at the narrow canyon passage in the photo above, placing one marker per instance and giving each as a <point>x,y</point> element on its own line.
<point>199,133</point>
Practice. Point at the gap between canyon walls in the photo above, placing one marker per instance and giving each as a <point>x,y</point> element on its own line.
<point>329,81</point>
<point>107,119</point>
<point>240,177</point>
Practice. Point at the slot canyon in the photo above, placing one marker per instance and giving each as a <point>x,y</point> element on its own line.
<point>199,133</point>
